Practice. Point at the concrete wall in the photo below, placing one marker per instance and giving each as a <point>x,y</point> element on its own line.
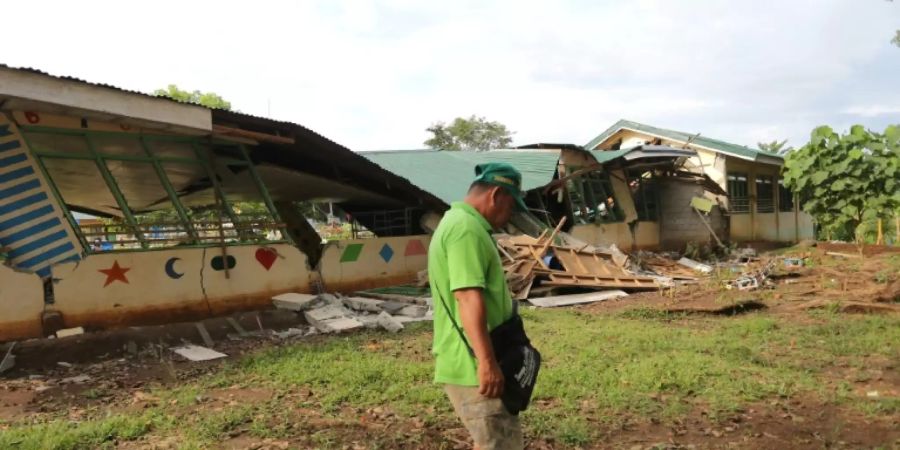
<point>679,223</point>
<point>129,288</point>
<point>755,226</point>
<point>646,235</point>
<point>21,304</point>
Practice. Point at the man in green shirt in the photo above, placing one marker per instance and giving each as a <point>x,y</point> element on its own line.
<point>466,274</point>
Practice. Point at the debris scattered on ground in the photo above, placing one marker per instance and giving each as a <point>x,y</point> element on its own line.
<point>335,313</point>
<point>78,379</point>
<point>843,255</point>
<point>9,359</point>
<point>198,353</point>
<point>576,299</point>
<point>293,301</point>
<point>237,327</point>
<point>69,332</point>
<point>204,334</point>
<point>699,267</point>
<point>567,264</point>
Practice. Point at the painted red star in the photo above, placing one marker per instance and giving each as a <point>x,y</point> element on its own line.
<point>115,273</point>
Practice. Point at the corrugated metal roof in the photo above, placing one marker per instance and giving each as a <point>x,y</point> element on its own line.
<point>448,174</point>
<point>311,143</point>
<point>710,143</point>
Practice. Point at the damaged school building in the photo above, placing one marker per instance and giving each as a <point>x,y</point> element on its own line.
<point>118,208</point>
<point>635,186</point>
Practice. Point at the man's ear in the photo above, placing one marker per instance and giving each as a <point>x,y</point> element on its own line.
<point>496,193</point>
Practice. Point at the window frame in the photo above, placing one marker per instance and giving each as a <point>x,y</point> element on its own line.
<point>738,204</point>
<point>203,155</point>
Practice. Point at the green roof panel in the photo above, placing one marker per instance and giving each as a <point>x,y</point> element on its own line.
<point>448,174</point>
<point>710,143</point>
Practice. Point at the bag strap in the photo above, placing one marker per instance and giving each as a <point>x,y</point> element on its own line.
<point>452,321</point>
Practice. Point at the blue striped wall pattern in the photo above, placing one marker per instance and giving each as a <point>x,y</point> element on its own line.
<point>34,232</point>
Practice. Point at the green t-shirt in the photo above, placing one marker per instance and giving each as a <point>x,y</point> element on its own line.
<point>462,254</point>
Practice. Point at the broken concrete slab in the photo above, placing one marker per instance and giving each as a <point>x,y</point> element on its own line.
<point>363,304</point>
<point>700,267</point>
<point>389,322</point>
<point>69,332</point>
<point>576,299</point>
<point>289,333</point>
<point>198,353</point>
<point>326,312</point>
<point>338,325</point>
<point>295,302</point>
<point>392,307</point>
<point>414,311</point>
<point>369,321</point>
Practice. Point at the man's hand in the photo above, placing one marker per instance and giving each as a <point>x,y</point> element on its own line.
<point>490,379</point>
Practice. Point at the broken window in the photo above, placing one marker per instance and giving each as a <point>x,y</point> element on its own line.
<point>785,198</point>
<point>738,193</point>
<point>148,191</point>
<point>645,192</point>
<point>765,194</point>
<point>592,198</point>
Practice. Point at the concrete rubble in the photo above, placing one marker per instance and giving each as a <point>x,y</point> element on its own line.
<point>335,313</point>
<point>198,353</point>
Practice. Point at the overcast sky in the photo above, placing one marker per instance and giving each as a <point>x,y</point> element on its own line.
<point>374,74</point>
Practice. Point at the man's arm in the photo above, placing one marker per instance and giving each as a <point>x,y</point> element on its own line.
<point>474,322</point>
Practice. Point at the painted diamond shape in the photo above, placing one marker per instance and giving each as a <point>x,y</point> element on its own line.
<point>351,253</point>
<point>386,253</point>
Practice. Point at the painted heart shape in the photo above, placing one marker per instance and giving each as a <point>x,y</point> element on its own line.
<point>266,257</point>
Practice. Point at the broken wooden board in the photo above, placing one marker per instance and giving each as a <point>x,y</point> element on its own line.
<point>560,278</point>
<point>576,299</point>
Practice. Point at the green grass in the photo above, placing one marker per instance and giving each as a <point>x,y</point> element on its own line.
<point>599,371</point>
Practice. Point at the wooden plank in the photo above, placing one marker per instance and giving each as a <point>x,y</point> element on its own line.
<point>576,299</point>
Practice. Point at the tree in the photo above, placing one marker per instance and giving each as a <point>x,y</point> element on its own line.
<point>846,181</point>
<point>472,134</point>
<point>775,146</point>
<point>207,99</point>
<point>896,39</point>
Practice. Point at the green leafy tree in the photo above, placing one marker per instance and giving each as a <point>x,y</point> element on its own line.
<point>896,39</point>
<point>207,99</point>
<point>776,146</point>
<point>472,134</point>
<point>846,181</point>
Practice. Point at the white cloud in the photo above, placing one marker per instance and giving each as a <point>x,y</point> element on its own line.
<point>373,74</point>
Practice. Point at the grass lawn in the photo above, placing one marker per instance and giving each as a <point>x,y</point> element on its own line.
<point>603,375</point>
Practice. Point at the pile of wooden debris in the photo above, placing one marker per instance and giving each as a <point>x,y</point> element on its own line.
<point>558,264</point>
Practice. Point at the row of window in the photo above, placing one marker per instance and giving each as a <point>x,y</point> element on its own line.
<point>766,191</point>
<point>158,191</point>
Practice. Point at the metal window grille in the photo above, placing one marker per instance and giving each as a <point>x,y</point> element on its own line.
<point>738,193</point>
<point>121,164</point>
<point>765,194</point>
<point>785,198</point>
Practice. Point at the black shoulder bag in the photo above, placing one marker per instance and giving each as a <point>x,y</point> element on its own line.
<point>518,359</point>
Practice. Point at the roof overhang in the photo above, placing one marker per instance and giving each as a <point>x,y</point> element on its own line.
<point>763,159</point>
<point>29,90</point>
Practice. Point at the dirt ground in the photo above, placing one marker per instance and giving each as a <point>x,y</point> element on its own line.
<point>121,365</point>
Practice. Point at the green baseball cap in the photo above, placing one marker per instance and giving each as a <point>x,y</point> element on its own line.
<point>505,176</point>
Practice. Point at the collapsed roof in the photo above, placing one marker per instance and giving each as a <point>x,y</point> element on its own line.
<point>295,163</point>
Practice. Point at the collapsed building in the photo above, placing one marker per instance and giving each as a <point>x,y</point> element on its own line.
<point>635,186</point>
<point>119,208</point>
<point>752,203</point>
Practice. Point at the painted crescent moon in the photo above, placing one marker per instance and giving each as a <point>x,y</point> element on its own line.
<point>170,269</point>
